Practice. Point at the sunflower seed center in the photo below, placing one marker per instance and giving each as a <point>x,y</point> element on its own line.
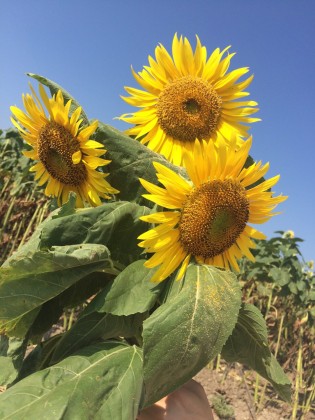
<point>213,217</point>
<point>56,146</point>
<point>188,109</point>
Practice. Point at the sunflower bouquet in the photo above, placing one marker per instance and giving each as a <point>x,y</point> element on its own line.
<point>144,243</point>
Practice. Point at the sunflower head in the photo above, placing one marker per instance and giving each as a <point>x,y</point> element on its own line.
<point>67,157</point>
<point>207,217</point>
<point>188,96</point>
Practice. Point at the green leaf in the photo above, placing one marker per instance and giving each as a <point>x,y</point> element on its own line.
<point>68,208</point>
<point>293,289</point>
<point>54,87</point>
<point>76,294</point>
<point>118,310</point>
<point>84,289</point>
<point>35,278</point>
<point>248,344</point>
<point>39,357</point>
<point>12,351</point>
<point>280,275</point>
<point>130,161</point>
<point>301,285</point>
<point>312,295</point>
<point>131,292</point>
<point>39,320</point>
<point>189,329</point>
<point>94,326</point>
<point>21,325</point>
<point>115,225</point>
<point>102,381</point>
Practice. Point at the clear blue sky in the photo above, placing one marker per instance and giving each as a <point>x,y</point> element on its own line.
<point>89,46</point>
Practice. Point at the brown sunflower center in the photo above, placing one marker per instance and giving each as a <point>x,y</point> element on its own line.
<point>56,146</point>
<point>188,109</point>
<point>213,217</point>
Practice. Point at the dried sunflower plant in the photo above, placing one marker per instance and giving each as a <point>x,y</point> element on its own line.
<point>144,244</point>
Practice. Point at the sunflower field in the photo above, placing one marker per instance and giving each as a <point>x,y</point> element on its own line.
<point>129,262</point>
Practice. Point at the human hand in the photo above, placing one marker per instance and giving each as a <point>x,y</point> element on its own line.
<point>186,403</point>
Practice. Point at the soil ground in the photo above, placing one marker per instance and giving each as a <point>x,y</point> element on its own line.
<point>234,387</point>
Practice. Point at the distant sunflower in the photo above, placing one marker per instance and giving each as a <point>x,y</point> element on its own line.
<point>188,97</point>
<point>207,217</point>
<point>67,157</point>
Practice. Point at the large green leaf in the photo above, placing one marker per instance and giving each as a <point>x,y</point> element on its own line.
<point>36,277</point>
<point>130,161</point>
<point>189,329</point>
<point>12,351</point>
<point>102,381</point>
<point>39,358</point>
<point>67,209</point>
<point>118,310</point>
<point>40,319</point>
<point>76,294</point>
<point>20,326</point>
<point>93,326</point>
<point>115,225</point>
<point>131,292</point>
<point>248,344</point>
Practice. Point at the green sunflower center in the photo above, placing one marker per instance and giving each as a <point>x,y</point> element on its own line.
<point>189,108</point>
<point>56,146</point>
<point>213,217</point>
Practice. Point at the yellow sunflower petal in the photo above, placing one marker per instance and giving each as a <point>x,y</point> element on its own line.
<point>156,259</point>
<point>157,231</point>
<point>173,177</point>
<point>76,157</point>
<point>162,217</point>
<point>164,242</point>
<point>243,245</point>
<point>31,154</point>
<point>94,162</point>
<point>91,144</point>
<point>167,267</point>
<point>182,270</point>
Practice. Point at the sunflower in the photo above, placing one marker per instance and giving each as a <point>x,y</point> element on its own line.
<point>188,97</point>
<point>67,157</point>
<point>208,216</point>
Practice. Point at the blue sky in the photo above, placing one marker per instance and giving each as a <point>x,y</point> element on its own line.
<point>88,48</point>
